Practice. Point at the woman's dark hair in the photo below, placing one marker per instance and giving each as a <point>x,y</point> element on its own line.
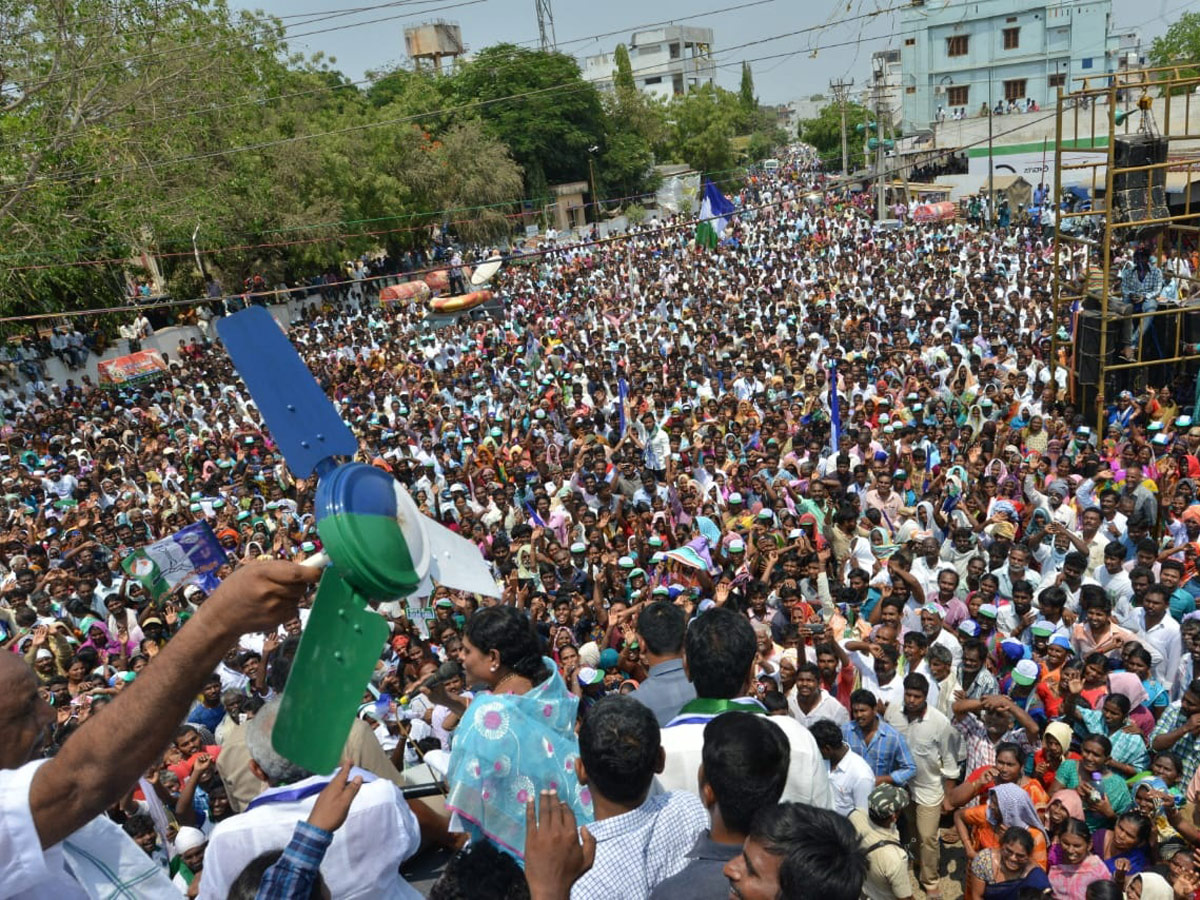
<point>1016,835</point>
<point>1174,759</point>
<point>1101,740</point>
<point>507,630</point>
<point>1015,749</point>
<point>1139,821</point>
<point>1077,827</point>
<point>1139,653</point>
<point>1104,890</point>
<point>1120,701</point>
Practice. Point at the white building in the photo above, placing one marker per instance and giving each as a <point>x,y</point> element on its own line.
<point>665,61</point>
<point>969,56</point>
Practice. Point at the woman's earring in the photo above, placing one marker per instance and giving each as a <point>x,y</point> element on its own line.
<point>494,669</point>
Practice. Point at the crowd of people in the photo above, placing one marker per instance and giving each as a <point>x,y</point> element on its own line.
<point>815,582</point>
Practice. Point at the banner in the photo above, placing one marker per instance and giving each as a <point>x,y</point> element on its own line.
<point>134,367</point>
<point>679,194</point>
<point>191,555</point>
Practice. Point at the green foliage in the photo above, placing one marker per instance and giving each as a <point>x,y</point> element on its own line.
<point>623,74</point>
<point>635,214</point>
<point>825,133</point>
<point>116,124</point>
<point>701,127</point>
<point>546,130</point>
<point>1180,43</point>
<point>123,152</point>
<point>746,90</point>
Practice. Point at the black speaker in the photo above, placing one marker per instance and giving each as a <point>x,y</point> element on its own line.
<point>1088,323</point>
<point>1139,195</point>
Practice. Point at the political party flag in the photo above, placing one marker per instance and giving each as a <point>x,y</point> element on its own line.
<point>835,413</point>
<point>191,555</point>
<point>715,211</point>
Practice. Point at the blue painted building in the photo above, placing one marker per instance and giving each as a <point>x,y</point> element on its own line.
<point>950,49</point>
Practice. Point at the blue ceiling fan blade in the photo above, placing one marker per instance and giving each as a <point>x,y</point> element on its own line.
<point>302,420</point>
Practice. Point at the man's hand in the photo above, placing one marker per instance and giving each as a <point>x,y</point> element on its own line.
<point>333,803</point>
<point>554,856</point>
<point>259,597</point>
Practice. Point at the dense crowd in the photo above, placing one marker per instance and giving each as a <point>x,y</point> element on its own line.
<point>815,582</point>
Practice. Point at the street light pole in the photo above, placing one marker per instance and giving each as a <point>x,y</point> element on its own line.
<point>991,166</point>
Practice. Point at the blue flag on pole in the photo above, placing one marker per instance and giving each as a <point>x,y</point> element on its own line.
<point>835,413</point>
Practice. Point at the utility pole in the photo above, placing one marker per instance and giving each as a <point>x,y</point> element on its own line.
<point>841,90</point>
<point>880,148</point>
<point>991,166</point>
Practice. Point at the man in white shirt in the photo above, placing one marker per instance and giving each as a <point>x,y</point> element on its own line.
<point>808,702</point>
<point>930,739</point>
<point>719,653</point>
<point>851,777</point>
<point>1156,627</point>
<point>45,802</point>
<point>364,858</point>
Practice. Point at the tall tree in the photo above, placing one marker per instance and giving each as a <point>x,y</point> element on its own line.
<point>701,129</point>
<point>1180,43</point>
<point>746,90</point>
<point>824,132</point>
<point>538,104</point>
<point>623,73</point>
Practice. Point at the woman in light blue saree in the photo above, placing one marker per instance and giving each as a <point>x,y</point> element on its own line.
<point>517,738</point>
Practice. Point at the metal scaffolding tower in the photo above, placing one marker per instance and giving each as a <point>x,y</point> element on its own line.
<point>546,25</point>
<point>1127,149</point>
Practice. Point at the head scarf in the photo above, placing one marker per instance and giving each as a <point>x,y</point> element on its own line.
<point>1061,732</point>
<point>1155,887</point>
<point>1129,686</point>
<point>1071,802</point>
<point>1016,809</point>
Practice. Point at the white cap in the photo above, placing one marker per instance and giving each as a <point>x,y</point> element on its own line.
<point>188,838</point>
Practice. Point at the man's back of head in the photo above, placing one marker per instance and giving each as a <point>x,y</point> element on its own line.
<point>661,626</point>
<point>745,768</point>
<point>620,750</point>
<point>797,850</point>
<point>719,652</point>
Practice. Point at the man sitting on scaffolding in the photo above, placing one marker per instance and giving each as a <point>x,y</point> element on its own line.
<point>1141,284</point>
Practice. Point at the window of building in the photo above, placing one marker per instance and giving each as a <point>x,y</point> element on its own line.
<point>958,95</point>
<point>1059,79</point>
<point>909,42</point>
<point>674,51</point>
<point>657,79</point>
<point>1086,62</point>
<point>677,84</point>
<point>1015,89</point>
<point>910,90</point>
<point>1012,38</point>
<point>957,45</point>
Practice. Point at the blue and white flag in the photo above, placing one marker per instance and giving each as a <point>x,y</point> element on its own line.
<point>715,211</point>
<point>835,412</point>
